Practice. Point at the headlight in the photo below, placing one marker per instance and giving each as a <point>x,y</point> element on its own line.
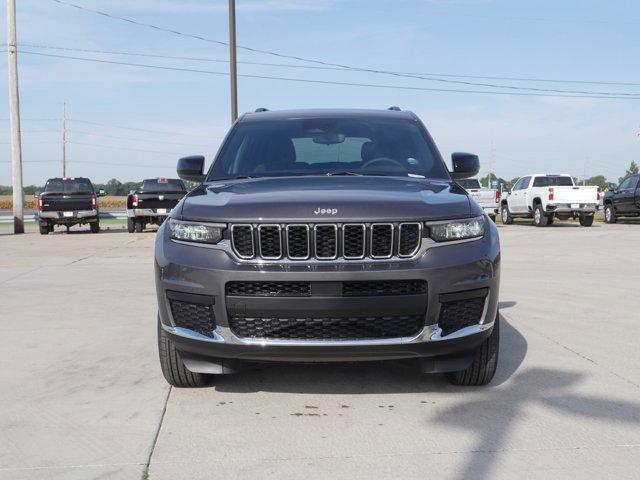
<point>457,229</point>
<point>195,232</point>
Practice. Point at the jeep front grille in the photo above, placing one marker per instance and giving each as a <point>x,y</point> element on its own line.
<point>326,241</point>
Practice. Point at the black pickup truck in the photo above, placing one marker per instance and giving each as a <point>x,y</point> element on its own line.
<point>68,201</point>
<point>623,201</point>
<point>153,202</point>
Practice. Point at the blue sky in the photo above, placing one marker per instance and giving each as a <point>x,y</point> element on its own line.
<point>593,40</point>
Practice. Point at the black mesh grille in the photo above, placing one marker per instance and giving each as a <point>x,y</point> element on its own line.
<point>298,241</point>
<point>326,241</point>
<point>354,241</point>
<point>460,313</point>
<point>346,328</point>
<point>409,238</point>
<point>392,287</point>
<point>194,316</point>
<point>381,240</point>
<point>270,241</point>
<point>269,289</point>
<point>242,237</point>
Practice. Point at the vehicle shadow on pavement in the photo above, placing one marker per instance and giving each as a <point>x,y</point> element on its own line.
<point>511,392</point>
<point>364,377</point>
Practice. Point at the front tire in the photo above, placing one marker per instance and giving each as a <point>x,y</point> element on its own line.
<point>586,220</point>
<point>539,218</point>
<point>505,216</point>
<point>173,368</point>
<point>130,225</point>
<point>485,362</point>
<point>610,214</point>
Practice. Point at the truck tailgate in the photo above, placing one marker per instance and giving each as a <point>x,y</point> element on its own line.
<point>578,195</point>
<point>483,196</point>
<point>159,200</point>
<point>66,203</point>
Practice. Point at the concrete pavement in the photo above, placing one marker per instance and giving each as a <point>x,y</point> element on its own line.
<point>82,396</point>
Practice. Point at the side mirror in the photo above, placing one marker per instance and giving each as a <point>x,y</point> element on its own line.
<point>101,193</point>
<point>35,195</point>
<point>465,165</point>
<point>191,168</point>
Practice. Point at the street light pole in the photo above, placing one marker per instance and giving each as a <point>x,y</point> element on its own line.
<point>233,70</point>
<point>14,105</point>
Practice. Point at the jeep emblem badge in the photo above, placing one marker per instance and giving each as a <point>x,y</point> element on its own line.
<point>325,211</point>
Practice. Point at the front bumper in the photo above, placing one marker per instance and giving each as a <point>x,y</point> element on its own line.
<point>446,269</point>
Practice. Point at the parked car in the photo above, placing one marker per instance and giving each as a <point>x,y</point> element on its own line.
<point>152,203</point>
<point>487,198</point>
<point>68,201</point>
<point>623,201</point>
<point>546,197</point>
<point>323,236</point>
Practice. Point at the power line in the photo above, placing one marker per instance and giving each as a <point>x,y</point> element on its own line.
<point>330,82</point>
<point>124,148</point>
<point>320,62</point>
<point>121,127</point>
<point>137,139</point>
<point>316,67</point>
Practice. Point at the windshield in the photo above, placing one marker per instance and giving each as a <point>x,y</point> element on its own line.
<point>469,183</point>
<point>69,186</point>
<point>163,185</point>
<point>553,182</point>
<point>328,146</point>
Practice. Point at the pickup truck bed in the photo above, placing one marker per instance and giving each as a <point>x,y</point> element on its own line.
<point>153,202</point>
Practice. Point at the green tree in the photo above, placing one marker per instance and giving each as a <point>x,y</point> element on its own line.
<point>632,170</point>
<point>598,181</point>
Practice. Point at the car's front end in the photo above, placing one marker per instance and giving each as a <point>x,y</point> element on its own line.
<point>344,288</point>
<point>318,268</point>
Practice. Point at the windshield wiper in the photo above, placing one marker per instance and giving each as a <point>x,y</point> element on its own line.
<point>331,174</point>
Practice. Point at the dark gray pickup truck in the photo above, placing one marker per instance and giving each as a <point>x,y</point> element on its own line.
<point>68,201</point>
<point>153,202</point>
<point>327,236</point>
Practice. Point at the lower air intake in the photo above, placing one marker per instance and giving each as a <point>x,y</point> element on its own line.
<point>344,328</point>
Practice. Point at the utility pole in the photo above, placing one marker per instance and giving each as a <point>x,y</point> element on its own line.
<point>64,139</point>
<point>14,105</point>
<point>233,68</point>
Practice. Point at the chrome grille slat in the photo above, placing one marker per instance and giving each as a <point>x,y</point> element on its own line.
<point>326,241</point>
<point>270,241</point>
<point>298,241</point>
<point>382,240</point>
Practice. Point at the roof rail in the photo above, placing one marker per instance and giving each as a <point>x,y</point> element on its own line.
<point>394,108</point>
<point>261,109</point>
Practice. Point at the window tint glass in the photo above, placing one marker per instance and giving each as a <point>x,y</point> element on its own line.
<point>469,183</point>
<point>68,185</point>
<point>553,181</point>
<point>625,184</point>
<point>324,145</point>
<point>163,185</point>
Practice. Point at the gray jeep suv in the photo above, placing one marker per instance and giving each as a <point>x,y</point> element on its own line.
<point>326,236</point>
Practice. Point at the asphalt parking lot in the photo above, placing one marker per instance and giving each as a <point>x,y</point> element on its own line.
<point>82,396</point>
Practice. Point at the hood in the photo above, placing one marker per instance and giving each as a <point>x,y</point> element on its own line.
<point>327,198</point>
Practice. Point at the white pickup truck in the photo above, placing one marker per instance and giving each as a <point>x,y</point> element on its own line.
<point>546,197</point>
<point>487,198</point>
